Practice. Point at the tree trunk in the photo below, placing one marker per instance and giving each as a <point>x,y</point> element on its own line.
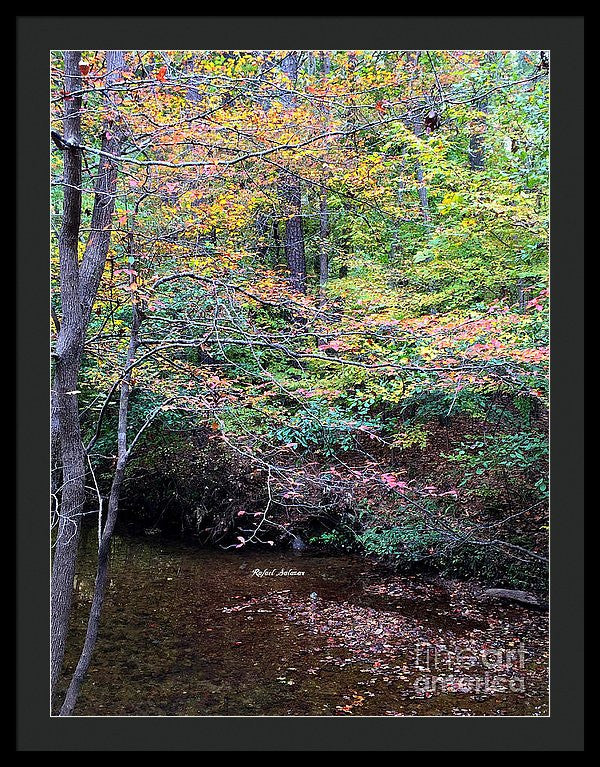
<point>291,195</point>
<point>96,250</point>
<point>478,127</point>
<point>476,139</point>
<point>421,187</point>
<point>262,239</point>
<point>416,123</point>
<point>294,235</point>
<point>69,348</point>
<point>423,194</point>
<point>102,570</point>
<point>79,286</point>
<point>324,243</point>
<point>323,209</point>
<point>276,241</point>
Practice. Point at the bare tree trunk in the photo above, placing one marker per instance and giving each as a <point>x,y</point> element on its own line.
<point>323,244</point>
<point>291,195</point>
<point>476,139</point>
<point>262,229</point>
<point>424,200</point>
<point>323,209</point>
<point>294,235</point>
<point>522,294</point>
<point>111,519</point>
<point>478,128</point>
<point>79,286</point>
<point>69,348</point>
<point>276,241</point>
<point>416,123</point>
<point>421,187</point>
<point>96,250</point>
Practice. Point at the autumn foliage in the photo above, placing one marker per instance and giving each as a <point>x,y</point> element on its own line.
<point>378,407</point>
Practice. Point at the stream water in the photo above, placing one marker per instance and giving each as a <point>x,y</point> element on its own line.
<point>188,631</point>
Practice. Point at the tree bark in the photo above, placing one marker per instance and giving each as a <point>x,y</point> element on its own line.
<point>79,287</point>
<point>102,570</point>
<point>69,348</point>
<point>421,187</point>
<point>478,128</point>
<point>291,194</point>
<point>423,198</point>
<point>276,241</point>
<point>418,128</point>
<point>323,244</point>
<point>294,234</point>
<point>323,209</point>
<point>94,257</point>
<point>476,139</point>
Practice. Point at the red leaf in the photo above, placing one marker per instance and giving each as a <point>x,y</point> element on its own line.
<point>160,75</point>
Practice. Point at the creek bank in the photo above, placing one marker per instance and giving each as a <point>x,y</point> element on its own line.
<point>198,490</point>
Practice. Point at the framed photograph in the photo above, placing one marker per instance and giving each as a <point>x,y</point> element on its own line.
<point>306,408</point>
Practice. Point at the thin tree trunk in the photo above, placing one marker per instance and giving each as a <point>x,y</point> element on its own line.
<point>111,519</point>
<point>423,199</point>
<point>323,244</point>
<point>323,209</point>
<point>478,128</point>
<point>276,241</point>
<point>522,294</point>
<point>290,195</point>
<point>395,247</point>
<point>476,139</point>
<point>421,187</point>
<point>262,229</point>
<point>416,123</point>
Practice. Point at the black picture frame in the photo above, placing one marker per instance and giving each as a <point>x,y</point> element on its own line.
<point>563,729</point>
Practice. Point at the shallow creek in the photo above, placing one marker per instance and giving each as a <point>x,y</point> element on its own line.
<point>196,632</point>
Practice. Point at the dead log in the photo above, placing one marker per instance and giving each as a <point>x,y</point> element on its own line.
<point>513,595</point>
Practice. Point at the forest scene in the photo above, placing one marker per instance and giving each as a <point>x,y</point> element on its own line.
<point>299,341</point>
